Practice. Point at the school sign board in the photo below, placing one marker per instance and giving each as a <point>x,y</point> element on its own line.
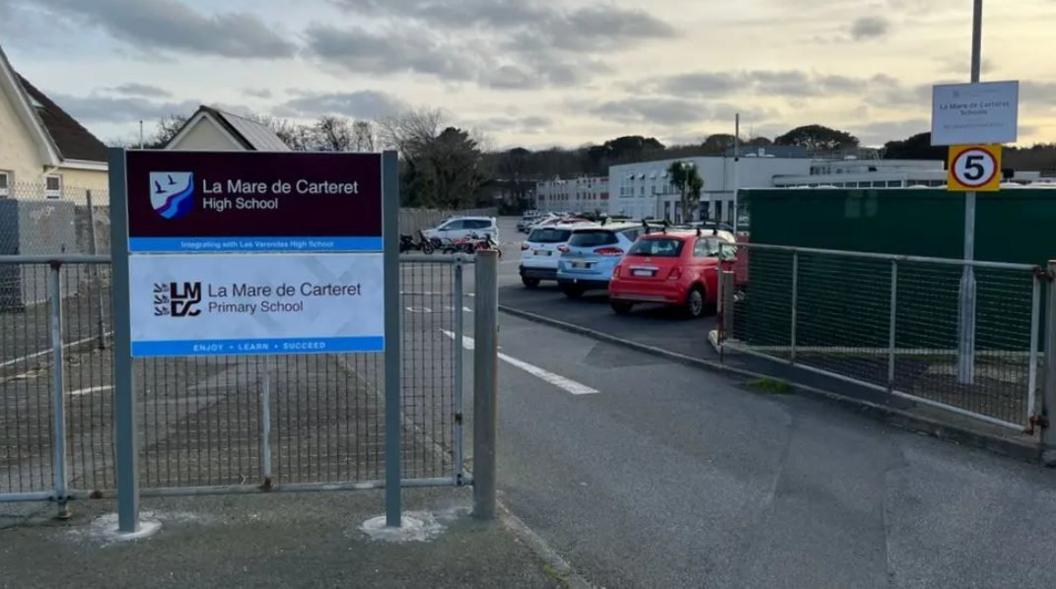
<point>242,253</point>
<point>971,114</point>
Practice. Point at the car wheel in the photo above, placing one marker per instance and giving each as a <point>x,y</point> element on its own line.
<point>621,307</point>
<point>695,303</point>
<point>530,282</point>
<point>572,292</point>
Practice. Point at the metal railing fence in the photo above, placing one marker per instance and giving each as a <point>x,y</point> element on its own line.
<point>891,322</point>
<point>218,424</point>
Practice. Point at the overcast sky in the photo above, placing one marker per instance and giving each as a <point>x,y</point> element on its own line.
<point>534,72</point>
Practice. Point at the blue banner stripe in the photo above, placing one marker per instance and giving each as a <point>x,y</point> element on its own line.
<point>258,347</point>
<point>255,244</point>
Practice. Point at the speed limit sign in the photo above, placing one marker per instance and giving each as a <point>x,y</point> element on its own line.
<point>974,168</point>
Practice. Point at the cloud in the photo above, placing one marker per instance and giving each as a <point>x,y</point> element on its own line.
<point>502,44</point>
<point>672,111</point>
<point>782,83</point>
<point>586,28</point>
<point>406,50</point>
<point>526,125</point>
<point>364,104</point>
<point>109,109</point>
<point>142,90</point>
<point>867,28</point>
<point>258,93</point>
<point>172,25</point>
<point>878,133</point>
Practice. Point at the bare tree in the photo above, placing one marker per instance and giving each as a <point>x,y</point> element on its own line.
<point>363,136</point>
<point>443,165</point>
<point>334,134</point>
<point>167,128</point>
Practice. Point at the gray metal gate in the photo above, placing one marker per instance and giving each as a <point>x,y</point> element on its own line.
<point>891,322</point>
<point>218,424</point>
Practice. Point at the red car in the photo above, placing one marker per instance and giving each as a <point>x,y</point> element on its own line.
<point>674,268</point>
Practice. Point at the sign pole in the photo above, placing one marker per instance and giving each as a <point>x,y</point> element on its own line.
<point>393,423</point>
<point>127,451</point>
<point>966,346</point>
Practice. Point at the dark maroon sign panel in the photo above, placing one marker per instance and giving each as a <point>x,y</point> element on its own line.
<point>224,201</point>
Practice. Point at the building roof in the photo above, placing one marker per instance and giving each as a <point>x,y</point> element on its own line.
<point>250,134</point>
<point>59,138</point>
<point>73,141</point>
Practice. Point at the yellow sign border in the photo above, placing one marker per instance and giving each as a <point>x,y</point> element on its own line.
<point>955,185</point>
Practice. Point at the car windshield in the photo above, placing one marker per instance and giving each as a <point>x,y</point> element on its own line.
<point>592,238</point>
<point>708,247</point>
<point>657,248</point>
<point>549,235</point>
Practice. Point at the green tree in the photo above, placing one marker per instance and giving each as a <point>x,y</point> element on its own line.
<point>687,180</point>
<point>818,139</point>
<point>917,147</point>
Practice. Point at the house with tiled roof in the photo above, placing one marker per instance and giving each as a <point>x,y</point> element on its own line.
<point>44,152</point>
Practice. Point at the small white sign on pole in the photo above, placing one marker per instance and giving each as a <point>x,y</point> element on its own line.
<point>964,114</point>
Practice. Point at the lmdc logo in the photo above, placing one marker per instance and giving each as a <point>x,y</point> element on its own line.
<point>172,299</point>
<point>172,193</point>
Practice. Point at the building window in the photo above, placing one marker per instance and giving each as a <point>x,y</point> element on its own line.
<point>894,184</point>
<point>53,186</point>
<point>5,184</point>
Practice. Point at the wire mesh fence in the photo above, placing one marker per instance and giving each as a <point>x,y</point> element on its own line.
<point>221,421</point>
<point>43,219</point>
<point>894,323</point>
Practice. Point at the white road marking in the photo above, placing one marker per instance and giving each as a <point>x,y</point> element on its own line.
<point>90,390</point>
<point>567,384</point>
<point>467,309</point>
<point>48,351</point>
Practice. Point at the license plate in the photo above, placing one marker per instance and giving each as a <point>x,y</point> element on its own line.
<point>542,253</point>
<point>580,264</point>
<point>643,273</point>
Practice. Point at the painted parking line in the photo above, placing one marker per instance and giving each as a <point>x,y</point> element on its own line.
<point>50,350</point>
<point>566,384</point>
<point>90,390</point>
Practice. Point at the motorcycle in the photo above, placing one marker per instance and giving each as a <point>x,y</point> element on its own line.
<point>422,244</point>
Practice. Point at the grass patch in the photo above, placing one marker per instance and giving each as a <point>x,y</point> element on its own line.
<point>771,386</point>
<point>556,575</point>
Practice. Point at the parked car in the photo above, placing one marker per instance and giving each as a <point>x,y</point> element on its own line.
<point>462,227</point>
<point>673,268</point>
<point>540,253</point>
<point>524,225</point>
<point>591,254</point>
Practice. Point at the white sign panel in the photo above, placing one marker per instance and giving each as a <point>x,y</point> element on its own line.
<point>964,114</point>
<point>237,304</point>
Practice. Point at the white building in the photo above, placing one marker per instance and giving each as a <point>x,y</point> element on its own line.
<point>582,195</point>
<point>853,173</point>
<point>644,189</point>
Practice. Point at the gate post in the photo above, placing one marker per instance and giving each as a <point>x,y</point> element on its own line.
<point>126,452</point>
<point>390,180</point>
<point>726,294</point>
<point>1048,402</point>
<point>59,465</point>
<point>485,383</point>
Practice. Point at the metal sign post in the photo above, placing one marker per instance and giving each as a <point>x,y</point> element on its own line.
<point>966,324</point>
<point>393,403</point>
<point>249,254</point>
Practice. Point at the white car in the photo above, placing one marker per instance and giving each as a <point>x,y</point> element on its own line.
<point>462,227</point>
<point>540,252</point>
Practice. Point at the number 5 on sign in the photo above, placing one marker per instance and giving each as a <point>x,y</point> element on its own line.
<point>974,168</point>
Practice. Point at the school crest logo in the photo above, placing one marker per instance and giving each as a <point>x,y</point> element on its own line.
<point>172,193</point>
